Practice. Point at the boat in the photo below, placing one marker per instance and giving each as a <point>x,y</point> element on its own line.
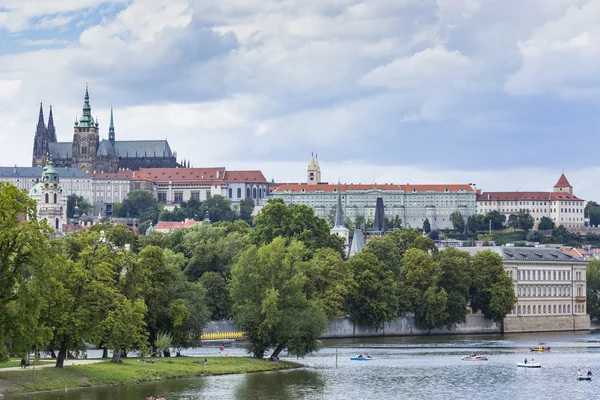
<point>584,378</point>
<point>529,365</point>
<point>362,358</point>
<point>540,348</point>
<point>474,358</point>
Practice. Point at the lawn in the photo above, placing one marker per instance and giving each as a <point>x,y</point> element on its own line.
<point>131,371</point>
<point>17,363</point>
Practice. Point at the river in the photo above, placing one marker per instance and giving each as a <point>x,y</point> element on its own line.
<point>407,368</point>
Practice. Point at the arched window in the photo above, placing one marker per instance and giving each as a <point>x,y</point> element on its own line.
<point>519,310</point>
<point>534,309</point>
<point>46,198</point>
<point>247,192</point>
<point>259,193</point>
<point>529,309</point>
<point>239,193</point>
<point>539,309</point>
<point>554,309</point>
<point>569,308</point>
<point>254,193</point>
<point>544,309</point>
<point>560,308</point>
<point>55,198</point>
<point>56,223</point>
<point>230,193</point>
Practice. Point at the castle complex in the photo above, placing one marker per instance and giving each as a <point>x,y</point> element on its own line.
<point>88,153</point>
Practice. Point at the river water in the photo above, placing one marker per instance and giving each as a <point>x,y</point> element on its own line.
<point>407,368</point>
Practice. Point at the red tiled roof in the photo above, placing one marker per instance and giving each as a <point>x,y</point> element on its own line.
<point>563,182</point>
<point>326,187</point>
<point>140,176</point>
<point>543,196</point>
<point>245,176</point>
<point>123,174</point>
<point>574,252</point>
<point>185,174</point>
<point>175,225</point>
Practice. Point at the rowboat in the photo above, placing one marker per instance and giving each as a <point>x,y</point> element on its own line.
<point>529,365</point>
<point>367,358</point>
<point>541,348</point>
<point>474,358</point>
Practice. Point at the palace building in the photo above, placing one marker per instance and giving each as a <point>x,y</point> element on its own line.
<point>91,154</point>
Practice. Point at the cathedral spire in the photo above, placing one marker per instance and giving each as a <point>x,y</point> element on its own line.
<point>339,212</point>
<point>86,121</point>
<point>40,141</point>
<point>41,124</point>
<point>51,129</point>
<point>111,128</point>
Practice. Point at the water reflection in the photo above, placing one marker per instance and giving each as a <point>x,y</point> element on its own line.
<point>299,384</point>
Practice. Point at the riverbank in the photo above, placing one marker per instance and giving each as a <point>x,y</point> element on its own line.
<point>131,371</point>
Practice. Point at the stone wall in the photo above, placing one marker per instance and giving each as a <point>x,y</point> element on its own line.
<point>546,323</point>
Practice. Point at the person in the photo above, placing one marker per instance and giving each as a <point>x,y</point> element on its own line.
<point>525,361</point>
<point>589,372</point>
<point>360,356</point>
<point>221,349</point>
<point>532,360</point>
<point>578,372</point>
<point>205,362</point>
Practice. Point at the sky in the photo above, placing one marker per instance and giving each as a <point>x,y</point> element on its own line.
<point>503,94</point>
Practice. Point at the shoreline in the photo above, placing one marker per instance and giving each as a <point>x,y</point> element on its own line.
<point>106,373</point>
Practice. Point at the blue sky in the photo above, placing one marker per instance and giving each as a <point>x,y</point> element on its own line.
<point>502,94</point>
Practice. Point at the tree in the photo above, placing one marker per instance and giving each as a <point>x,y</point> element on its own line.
<point>218,208</point>
<point>593,288</point>
<point>476,223</point>
<point>295,222</point>
<point>458,222</point>
<point>373,300</point>
<point>270,303</point>
<point>456,280</point>
<point>218,299</point>
<point>546,224</point>
<point>359,222</point>
<point>246,209</point>
<point>140,204</point>
<point>124,326</point>
<point>497,220</point>
<point>592,211</point>
<point>25,259</point>
<point>524,220</point>
<point>492,291</point>
<point>426,226</point>
<point>513,221</point>
<point>83,207</point>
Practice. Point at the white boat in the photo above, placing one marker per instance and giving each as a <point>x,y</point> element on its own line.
<point>474,358</point>
<point>529,365</point>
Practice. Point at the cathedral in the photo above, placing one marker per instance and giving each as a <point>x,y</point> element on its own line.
<point>91,154</point>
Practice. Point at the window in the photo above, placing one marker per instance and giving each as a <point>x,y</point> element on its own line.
<point>554,275</point>
<point>196,196</point>
<point>56,223</point>
<point>534,310</point>
<point>178,197</point>
<point>568,308</point>
<point>539,309</point>
<point>560,308</point>
<point>555,309</point>
<point>46,198</point>
<point>247,192</point>
<point>55,198</point>
<point>254,193</point>
<point>544,309</point>
<point>208,194</point>
<point>239,193</point>
<point>528,309</point>
<point>519,310</point>
<point>162,197</point>
<point>230,193</point>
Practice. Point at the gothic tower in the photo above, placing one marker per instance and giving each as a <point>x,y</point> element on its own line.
<point>314,171</point>
<point>111,128</point>
<point>40,141</point>
<point>85,138</point>
<point>51,130</point>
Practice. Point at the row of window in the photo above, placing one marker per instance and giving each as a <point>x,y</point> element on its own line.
<point>554,309</point>
<point>543,291</point>
<point>47,198</point>
<point>255,194</point>
<point>543,275</point>
<point>528,203</point>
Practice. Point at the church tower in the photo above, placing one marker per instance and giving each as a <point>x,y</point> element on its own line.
<point>51,198</point>
<point>563,185</point>
<point>40,141</point>
<point>85,138</point>
<point>51,129</point>
<point>314,171</point>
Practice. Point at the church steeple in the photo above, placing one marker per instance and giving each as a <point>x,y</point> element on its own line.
<point>41,126</point>
<point>51,129</point>
<point>40,141</point>
<point>339,212</point>
<point>111,128</point>
<point>86,120</point>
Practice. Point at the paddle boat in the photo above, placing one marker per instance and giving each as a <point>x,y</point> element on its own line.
<point>362,357</point>
<point>586,376</point>
<point>529,365</point>
<point>474,357</point>
<point>541,347</point>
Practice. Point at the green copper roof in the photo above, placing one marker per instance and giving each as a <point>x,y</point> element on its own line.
<point>49,173</point>
<point>86,120</point>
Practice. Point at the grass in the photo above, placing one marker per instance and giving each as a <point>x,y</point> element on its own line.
<point>131,371</point>
<point>17,363</point>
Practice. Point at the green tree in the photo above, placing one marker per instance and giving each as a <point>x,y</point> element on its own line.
<point>426,226</point>
<point>476,223</point>
<point>359,222</point>
<point>219,209</point>
<point>524,220</point>
<point>373,300</point>
<point>140,204</point>
<point>593,288</point>
<point>295,222</point>
<point>246,210</point>
<point>592,211</point>
<point>218,299</point>
<point>124,325</point>
<point>497,220</point>
<point>513,221</point>
<point>458,221</point>
<point>546,224</point>
<point>270,303</point>
<point>456,280</point>
<point>492,290</point>
<point>83,207</point>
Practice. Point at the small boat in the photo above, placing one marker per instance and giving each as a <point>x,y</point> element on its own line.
<point>584,378</point>
<point>529,365</point>
<point>362,358</point>
<point>474,358</point>
<point>540,348</point>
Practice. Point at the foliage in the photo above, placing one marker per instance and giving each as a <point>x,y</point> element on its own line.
<point>513,221</point>
<point>140,204</point>
<point>372,301</point>
<point>458,221</point>
<point>546,224</point>
<point>295,222</point>
<point>218,208</point>
<point>492,291</point>
<point>83,207</point>
<point>163,341</point>
<point>426,226</point>
<point>271,304</point>
<point>496,218</point>
<point>359,222</point>
<point>456,280</point>
<point>593,288</point>
<point>592,211</point>
<point>218,299</point>
<point>476,223</point>
<point>524,220</point>
<point>124,326</point>
<point>562,235</point>
<point>246,209</point>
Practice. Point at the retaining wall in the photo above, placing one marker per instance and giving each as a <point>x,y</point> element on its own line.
<point>546,323</point>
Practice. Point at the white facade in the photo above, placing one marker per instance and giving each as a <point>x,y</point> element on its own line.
<point>111,188</point>
<point>72,180</point>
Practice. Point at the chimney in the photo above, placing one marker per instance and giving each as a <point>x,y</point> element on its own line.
<point>15,169</point>
<point>217,174</point>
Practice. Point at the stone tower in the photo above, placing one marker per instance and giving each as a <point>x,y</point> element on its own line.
<point>51,129</point>
<point>111,128</point>
<point>40,141</point>
<point>85,138</point>
<point>314,171</point>
<point>51,198</point>
<point>563,185</point>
